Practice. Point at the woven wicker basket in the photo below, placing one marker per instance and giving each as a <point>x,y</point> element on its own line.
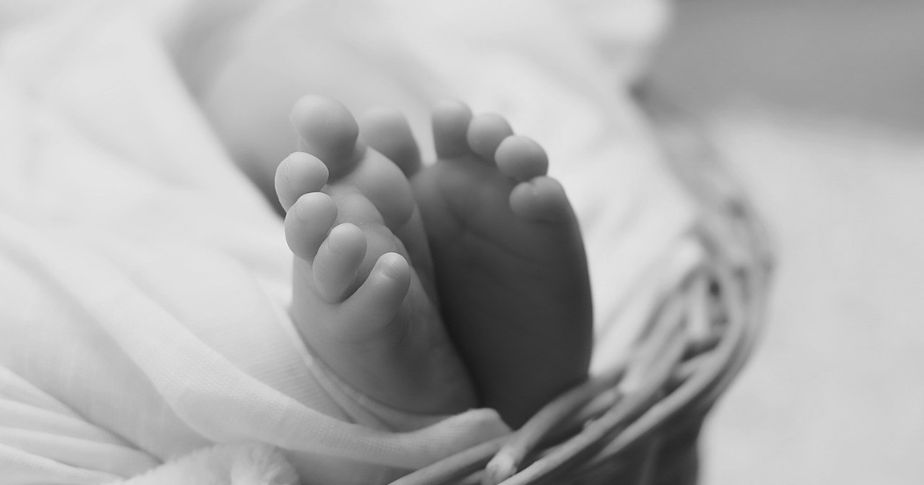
<point>638,422</point>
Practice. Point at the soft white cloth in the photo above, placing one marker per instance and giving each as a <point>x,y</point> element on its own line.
<point>223,465</point>
<point>844,341</point>
<point>144,281</point>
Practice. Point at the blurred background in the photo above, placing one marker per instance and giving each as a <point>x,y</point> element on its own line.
<point>838,57</point>
<point>818,107</point>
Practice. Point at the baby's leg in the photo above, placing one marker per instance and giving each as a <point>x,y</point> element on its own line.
<point>358,304</point>
<point>510,265</point>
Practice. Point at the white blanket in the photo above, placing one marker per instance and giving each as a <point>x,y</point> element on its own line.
<point>144,282</point>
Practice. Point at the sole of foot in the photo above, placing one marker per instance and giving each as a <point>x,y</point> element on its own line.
<point>510,265</point>
<point>357,303</point>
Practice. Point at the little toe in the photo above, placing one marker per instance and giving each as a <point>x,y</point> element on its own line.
<point>298,174</point>
<point>327,130</point>
<point>450,120</point>
<point>388,131</point>
<point>485,134</point>
<point>541,199</point>
<point>307,223</point>
<point>521,158</point>
<point>377,301</point>
<point>337,262</point>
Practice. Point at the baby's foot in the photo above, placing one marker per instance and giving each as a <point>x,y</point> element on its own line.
<point>510,265</point>
<point>357,303</point>
<point>328,131</point>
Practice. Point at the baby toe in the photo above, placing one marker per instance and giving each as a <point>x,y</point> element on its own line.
<point>378,299</point>
<point>337,262</point>
<point>307,223</point>
<point>298,174</point>
<point>521,158</point>
<point>388,131</point>
<point>485,134</point>
<point>541,199</point>
<point>327,130</point>
<point>450,120</point>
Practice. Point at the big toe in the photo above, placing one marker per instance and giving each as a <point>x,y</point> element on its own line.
<point>327,130</point>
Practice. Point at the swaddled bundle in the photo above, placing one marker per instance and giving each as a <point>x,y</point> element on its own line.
<point>146,283</point>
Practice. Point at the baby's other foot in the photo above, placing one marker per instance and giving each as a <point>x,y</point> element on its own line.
<point>327,130</point>
<point>358,304</point>
<point>510,265</point>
